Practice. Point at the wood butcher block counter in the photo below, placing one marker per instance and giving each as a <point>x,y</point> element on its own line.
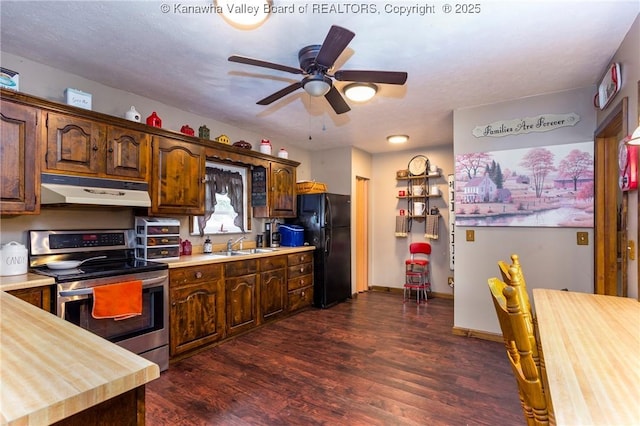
<point>591,349</point>
<point>203,259</point>
<point>51,369</point>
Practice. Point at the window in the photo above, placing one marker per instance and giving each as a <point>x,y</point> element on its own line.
<point>225,201</point>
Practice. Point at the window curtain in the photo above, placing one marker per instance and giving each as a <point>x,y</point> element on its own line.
<point>220,181</point>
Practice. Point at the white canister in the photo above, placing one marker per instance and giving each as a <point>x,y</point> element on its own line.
<point>265,146</point>
<point>283,153</point>
<point>13,260</point>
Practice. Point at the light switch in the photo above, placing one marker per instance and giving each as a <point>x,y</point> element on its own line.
<point>583,238</point>
<point>471,235</point>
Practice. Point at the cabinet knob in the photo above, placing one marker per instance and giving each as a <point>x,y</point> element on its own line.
<point>301,281</point>
<point>302,293</point>
<point>95,147</point>
<point>110,150</point>
<point>198,274</point>
<point>302,269</point>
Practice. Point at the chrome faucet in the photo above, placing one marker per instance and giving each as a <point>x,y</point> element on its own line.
<point>231,243</point>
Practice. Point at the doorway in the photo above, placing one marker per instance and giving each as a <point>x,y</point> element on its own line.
<point>362,234</point>
<point>611,205</point>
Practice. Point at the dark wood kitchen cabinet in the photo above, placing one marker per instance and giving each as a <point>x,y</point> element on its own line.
<point>281,192</point>
<point>197,315</point>
<point>19,154</point>
<point>300,280</point>
<point>241,281</point>
<point>82,146</point>
<point>37,296</point>
<point>273,287</point>
<point>177,185</point>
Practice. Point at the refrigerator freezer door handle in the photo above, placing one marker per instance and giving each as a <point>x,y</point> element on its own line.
<point>327,245</point>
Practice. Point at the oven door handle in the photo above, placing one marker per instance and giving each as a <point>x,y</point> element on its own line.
<point>86,291</point>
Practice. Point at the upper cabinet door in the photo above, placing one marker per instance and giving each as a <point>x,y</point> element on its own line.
<point>19,168</point>
<point>282,197</point>
<point>74,145</point>
<point>127,153</point>
<point>177,186</point>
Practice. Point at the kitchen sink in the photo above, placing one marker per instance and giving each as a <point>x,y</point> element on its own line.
<point>228,253</point>
<point>256,250</point>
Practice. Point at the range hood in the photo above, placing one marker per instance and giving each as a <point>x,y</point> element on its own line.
<point>63,189</point>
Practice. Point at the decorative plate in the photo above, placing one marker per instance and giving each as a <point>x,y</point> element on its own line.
<point>418,165</point>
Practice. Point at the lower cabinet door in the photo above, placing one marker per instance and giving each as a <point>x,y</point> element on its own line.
<point>273,294</point>
<point>242,306</point>
<point>197,316</point>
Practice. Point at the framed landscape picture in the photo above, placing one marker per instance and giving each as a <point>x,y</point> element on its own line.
<point>548,186</point>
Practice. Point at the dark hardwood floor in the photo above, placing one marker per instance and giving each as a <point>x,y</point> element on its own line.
<point>369,361</point>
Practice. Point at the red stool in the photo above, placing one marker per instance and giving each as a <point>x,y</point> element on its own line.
<point>418,271</point>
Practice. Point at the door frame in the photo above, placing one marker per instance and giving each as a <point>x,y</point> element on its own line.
<point>362,234</point>
<point>607,241</point>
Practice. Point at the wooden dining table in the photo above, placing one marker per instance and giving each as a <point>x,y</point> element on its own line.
<point>591,350</point>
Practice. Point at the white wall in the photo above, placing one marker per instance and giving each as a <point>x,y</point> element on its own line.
<point>629,58</point>
<point>549,256</point>
<point>388,251</point>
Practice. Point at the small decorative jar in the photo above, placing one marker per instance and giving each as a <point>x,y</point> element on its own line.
<point>133,115</point>
<point>265,146</point>
<point>203,132</point>
<point>187,130</point>
<point>153,120</point>
<point>186,248</point>
<point>283,153</point>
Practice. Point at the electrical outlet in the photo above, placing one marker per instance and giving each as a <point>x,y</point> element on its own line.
<point>450,281</point>
<point>471,235</point>
<point>583,238</point>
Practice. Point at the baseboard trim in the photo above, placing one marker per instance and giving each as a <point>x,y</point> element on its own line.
<point>399,290</point>
<point>477,334</point>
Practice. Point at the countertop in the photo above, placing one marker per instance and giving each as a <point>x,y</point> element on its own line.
<point>52,369</point>
<point>590,344</point>
<point>17,282</point>
<point>203,259</point>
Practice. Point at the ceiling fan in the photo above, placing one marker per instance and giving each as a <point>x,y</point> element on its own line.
<point>315,63</point>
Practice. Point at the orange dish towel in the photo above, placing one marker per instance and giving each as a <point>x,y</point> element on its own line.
<point>118,301</point>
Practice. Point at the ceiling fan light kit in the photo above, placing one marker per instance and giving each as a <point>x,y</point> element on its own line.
<point>316,85</point>
<point>395,139</point>
<point>360,92</point>
<point>315,63</point>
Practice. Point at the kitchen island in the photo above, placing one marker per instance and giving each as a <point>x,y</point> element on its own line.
<point>52,370</point>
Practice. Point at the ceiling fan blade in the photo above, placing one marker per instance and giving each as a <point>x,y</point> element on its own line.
<point>280,93</point>
<point>336,101</point>
<point>264,64</point>
<point>385,77</point>
<point>334,44</point>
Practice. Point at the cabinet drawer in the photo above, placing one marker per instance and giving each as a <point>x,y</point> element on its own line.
<point>160,240</point>
<point>240,267</point>
<point>298,270</point>
<point>298,258</point>
<point>300,298</point>
<point>273,262</point>
<point>299,282</point>
<point>193,274</point>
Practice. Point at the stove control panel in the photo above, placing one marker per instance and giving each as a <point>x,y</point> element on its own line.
<point>72,241</point>
<point>109,239</point>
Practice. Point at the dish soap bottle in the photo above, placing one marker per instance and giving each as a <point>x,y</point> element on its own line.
<point>208,247</point>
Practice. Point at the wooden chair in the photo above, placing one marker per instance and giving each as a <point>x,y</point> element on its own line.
<point>418,271</point>
<point>520,345</point>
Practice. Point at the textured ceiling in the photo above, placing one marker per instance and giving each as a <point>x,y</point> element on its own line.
<point>508,50</point>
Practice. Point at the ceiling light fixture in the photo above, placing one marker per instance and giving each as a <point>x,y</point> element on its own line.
<point>248,15</point>
<point>397,138</point>
<point>635,137</point>
<point>316,85</point>
<point>360,92</point>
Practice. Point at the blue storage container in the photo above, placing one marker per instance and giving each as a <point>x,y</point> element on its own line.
<point>291,235</point>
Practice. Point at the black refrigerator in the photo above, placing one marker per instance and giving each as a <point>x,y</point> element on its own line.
<point>326,219</point>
